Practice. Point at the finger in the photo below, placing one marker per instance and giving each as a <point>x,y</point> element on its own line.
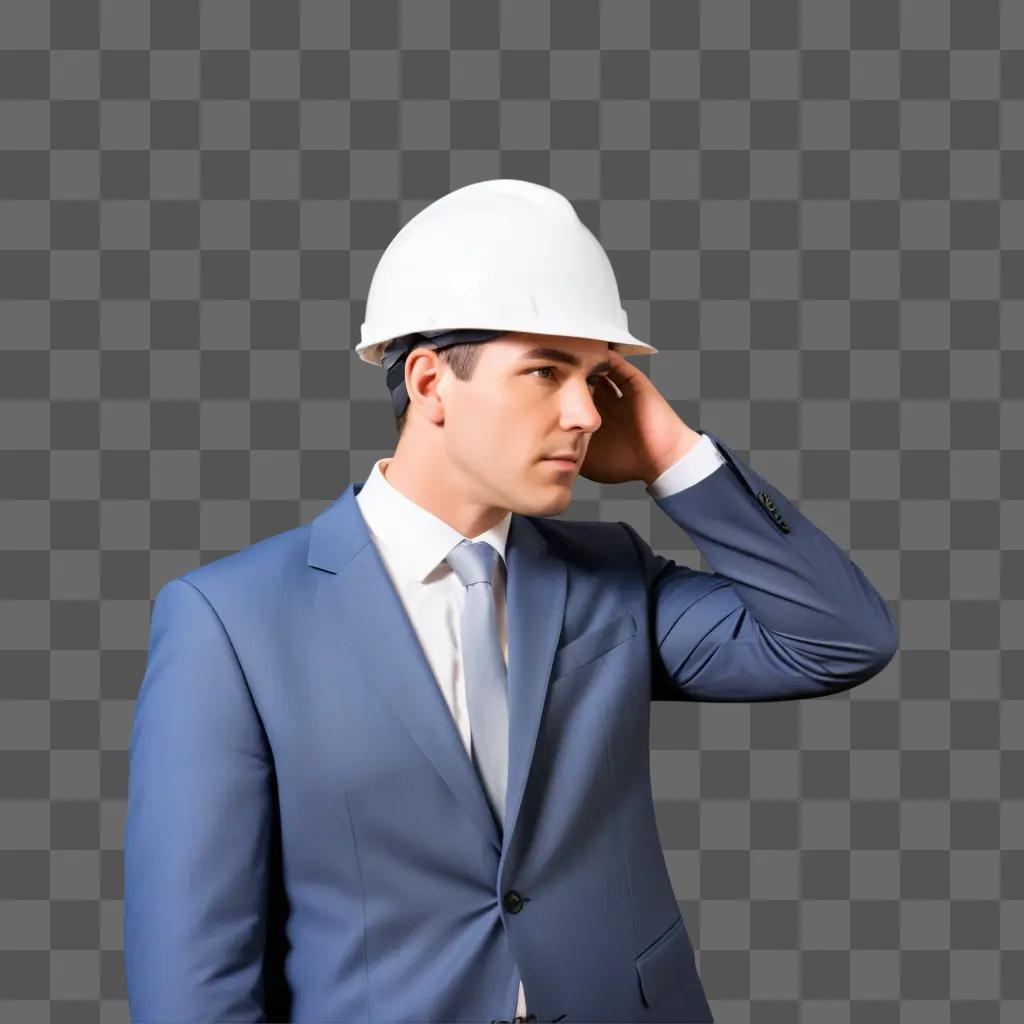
<point>624,369</point>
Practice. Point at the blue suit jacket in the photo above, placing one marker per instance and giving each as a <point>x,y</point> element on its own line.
<point>307,840</point>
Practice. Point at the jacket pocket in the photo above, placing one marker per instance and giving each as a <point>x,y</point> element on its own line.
<point>593,643</point>
<point>665,963</point>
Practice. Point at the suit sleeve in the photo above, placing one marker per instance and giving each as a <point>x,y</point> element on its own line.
<point>197,825</point>
<point>785,614</point>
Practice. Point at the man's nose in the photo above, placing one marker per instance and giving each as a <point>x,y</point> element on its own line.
<point>587,412</point>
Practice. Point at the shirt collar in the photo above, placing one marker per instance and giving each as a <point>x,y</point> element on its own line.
<point>420,539</point>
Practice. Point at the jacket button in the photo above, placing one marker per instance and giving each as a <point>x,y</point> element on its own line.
<point>513,901</point>
<point>772,511</point>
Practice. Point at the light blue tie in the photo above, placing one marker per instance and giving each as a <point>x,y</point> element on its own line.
<point>485,670</point>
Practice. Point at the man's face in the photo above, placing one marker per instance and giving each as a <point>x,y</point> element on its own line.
<point>518,409</point>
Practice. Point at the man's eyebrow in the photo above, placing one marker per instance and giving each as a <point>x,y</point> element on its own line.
<point>558,356</point>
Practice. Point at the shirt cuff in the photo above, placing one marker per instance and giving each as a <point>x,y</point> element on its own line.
<point>700,461</point>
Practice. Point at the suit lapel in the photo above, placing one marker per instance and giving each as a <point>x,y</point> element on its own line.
<point>535,600</point>
<point>357,608</point>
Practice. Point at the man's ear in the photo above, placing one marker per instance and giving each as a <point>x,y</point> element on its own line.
<point>428,366</point>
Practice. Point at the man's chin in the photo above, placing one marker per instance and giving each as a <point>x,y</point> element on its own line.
<point>531,500</point>
<point>554,504</point>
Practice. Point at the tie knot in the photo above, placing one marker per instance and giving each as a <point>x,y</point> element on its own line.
<point>472,561</point>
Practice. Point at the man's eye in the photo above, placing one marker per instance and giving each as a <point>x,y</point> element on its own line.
<point>550,369</point>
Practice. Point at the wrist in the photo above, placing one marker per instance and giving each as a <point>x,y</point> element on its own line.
<point>687,441</point>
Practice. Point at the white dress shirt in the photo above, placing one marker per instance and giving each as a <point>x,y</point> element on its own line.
<point>413,544</point>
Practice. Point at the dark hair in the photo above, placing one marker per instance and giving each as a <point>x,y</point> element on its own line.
<point>462,359</point>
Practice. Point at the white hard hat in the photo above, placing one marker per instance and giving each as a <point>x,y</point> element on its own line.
<point>500,255</point>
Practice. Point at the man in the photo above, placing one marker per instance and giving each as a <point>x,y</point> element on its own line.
<point>393,765</point>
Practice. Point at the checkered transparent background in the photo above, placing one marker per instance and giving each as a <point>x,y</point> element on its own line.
<point>815,212</point>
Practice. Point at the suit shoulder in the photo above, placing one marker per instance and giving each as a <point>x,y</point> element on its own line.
<point>269,562</point>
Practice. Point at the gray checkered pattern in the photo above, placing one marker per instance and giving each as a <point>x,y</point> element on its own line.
<point>815,211</point>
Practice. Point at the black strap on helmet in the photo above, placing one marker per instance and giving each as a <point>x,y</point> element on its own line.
<point>393,359</point>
